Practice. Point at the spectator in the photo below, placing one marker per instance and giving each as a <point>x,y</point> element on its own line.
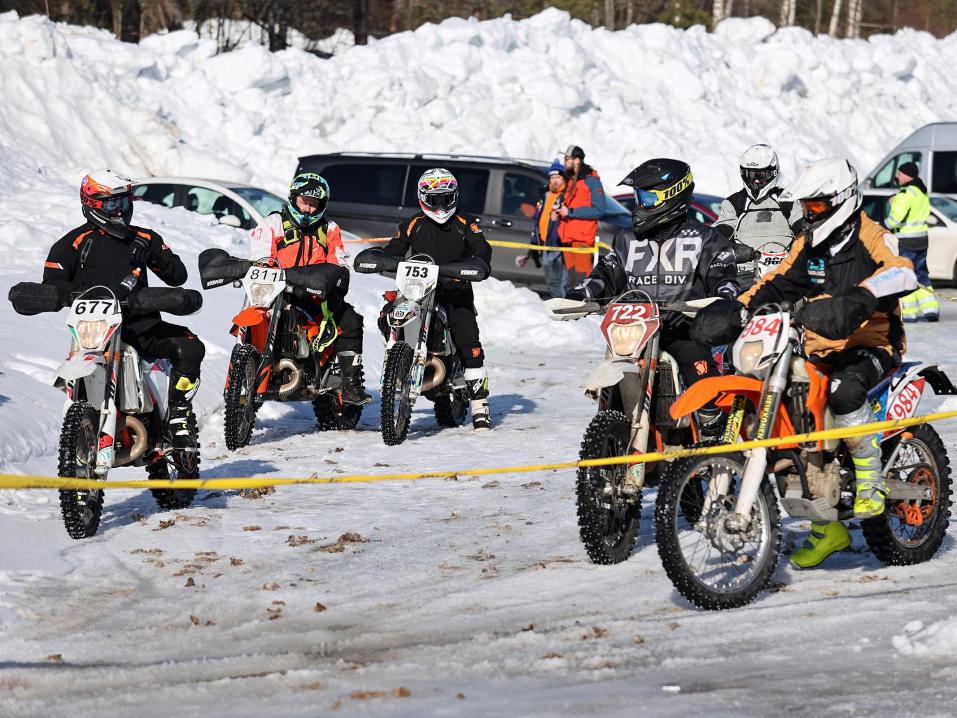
<point>907,219</point>
<point>583,202</point>
<point>545,232</point>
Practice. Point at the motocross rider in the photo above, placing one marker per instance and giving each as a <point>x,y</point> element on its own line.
<point>450,238</point>
<point>104,251</point>
<point>853,282</point>
<point>756,214</point>
<point>299,235</point>
<point>672,257</point>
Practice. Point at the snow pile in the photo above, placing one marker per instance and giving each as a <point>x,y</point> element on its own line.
<point>76,97</point>
<point>937,639</point>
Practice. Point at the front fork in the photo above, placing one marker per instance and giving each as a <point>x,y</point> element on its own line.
<point>106,437</point>
<point>421,350</point>
<point>641,415</point>
<point>755,469</point>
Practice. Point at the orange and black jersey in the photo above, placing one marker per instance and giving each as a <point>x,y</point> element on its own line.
<point>87,256</point>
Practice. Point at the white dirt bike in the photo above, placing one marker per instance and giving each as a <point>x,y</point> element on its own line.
<point>115,411</point>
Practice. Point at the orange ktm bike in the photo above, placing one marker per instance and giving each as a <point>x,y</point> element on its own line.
<point>717,521</point>
<point>273,358</point>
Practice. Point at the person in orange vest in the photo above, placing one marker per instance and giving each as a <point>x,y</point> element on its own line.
<point>299,235</point>
<point>545,232</point>
<point>583,202</point>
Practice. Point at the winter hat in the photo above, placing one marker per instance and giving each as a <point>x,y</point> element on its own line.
<point>910,169</point>
<point>556,168</point>
<point>575,151</point>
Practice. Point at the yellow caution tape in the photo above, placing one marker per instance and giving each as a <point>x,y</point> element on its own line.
<point>498,243</point>
<point>17,481</point>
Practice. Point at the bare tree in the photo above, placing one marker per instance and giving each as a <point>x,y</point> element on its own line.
<point>717,12</point>
<point>788,12</point>
<point>854,12</point>
<point>835,19</point>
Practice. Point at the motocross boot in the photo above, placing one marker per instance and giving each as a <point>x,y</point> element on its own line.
<point>350,367</point>
<point>871,489</point>
<point>476,384</point>
<point>825,538</point>
<point>180,411</point>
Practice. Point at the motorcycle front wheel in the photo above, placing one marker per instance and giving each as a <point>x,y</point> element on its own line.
<point>710,565</point>
<point>396,388</point>
<point>239,398</point>
<point>79,440</point>
<point>607,519</point>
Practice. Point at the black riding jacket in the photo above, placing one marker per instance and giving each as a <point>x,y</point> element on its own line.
<point>678,261</point>
<point>87,257</point>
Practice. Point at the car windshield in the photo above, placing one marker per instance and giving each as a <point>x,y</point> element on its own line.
<point>264,202</point>
<point>946,206</point>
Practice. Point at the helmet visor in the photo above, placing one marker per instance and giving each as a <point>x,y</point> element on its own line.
<point>440,201</point>
<point>115,206</point>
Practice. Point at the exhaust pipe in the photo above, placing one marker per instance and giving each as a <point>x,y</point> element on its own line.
<point>438,374</point>
<point>291,386</point>
<point>135,427</point>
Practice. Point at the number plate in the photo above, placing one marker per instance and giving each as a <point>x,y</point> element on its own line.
<point>416,279</point>
<point>263,285</point>
<point>93,310</point>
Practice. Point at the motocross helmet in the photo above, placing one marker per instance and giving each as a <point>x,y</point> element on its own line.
<point>829,195</point>
<point>759,170</point>
<point>438,192</point>
<point>308,184</point>
<point>107,199</point>
<point>663,190</point>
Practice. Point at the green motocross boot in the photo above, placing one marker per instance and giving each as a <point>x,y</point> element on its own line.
<point>825,538</point>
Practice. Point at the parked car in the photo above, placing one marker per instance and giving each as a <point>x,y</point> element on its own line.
<point>702,206</point>
<point>942,236</point>
<point>934,148</point>
<point>371,193</point>
<point>235,204</point>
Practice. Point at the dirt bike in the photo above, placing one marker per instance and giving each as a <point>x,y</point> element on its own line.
<point>273,358</point>
<point>717,522</point>
<point>635,386</point>
<point>420,359</point>
<point>754,264</point>
<point>115,413</point>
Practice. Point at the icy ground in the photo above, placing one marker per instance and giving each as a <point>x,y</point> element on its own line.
<point>429,598</point>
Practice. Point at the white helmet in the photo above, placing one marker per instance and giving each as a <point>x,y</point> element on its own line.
<point>438,193</point>
<point>829,195</point>
<point>759,170</point>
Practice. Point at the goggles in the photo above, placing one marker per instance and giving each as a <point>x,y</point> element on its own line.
<point>758,177</point>
<point>115,206</point>
<point>440,200</point>
<point>815,208</point>
<point>651,198</point>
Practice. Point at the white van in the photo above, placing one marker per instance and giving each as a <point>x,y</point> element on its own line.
<point>934,148</point>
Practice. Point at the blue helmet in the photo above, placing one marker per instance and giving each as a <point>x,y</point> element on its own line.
<point>308,184</point>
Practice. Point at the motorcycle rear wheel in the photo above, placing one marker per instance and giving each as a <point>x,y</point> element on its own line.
<point>79,440</point>
<point>895,537</point>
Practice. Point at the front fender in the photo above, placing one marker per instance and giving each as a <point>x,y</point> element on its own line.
<point>720,389</point>
<point>78,366</point>
<point>609,373</point>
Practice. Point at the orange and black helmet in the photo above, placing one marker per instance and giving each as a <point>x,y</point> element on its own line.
<point>107,200</point>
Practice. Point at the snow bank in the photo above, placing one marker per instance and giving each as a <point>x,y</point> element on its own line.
<point>76,97</point>
<point>937,639</point>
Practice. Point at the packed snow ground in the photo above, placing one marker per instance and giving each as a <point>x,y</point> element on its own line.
<point>478,589</point>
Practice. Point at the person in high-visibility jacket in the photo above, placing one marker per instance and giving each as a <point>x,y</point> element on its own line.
<point>907,219</point>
